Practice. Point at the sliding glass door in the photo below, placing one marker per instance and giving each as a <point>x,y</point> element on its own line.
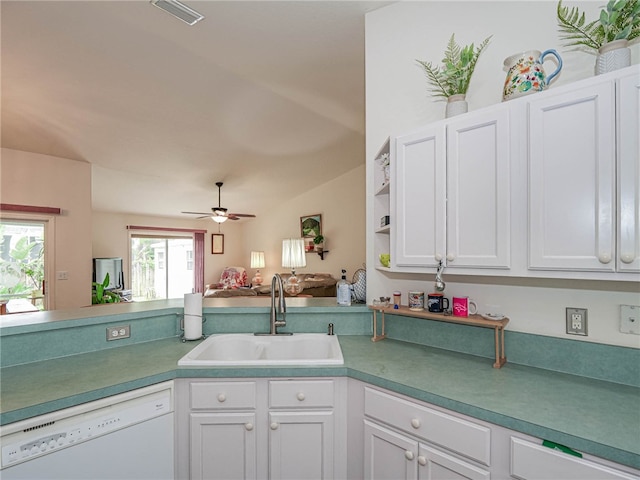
<point>162,266</point>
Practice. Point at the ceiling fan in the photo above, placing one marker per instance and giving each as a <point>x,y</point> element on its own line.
<point>220,214</point>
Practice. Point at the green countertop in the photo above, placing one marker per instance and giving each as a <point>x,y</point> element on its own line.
<point>533,401</point>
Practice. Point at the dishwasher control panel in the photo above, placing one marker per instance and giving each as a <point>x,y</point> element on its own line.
<point>49,435</point>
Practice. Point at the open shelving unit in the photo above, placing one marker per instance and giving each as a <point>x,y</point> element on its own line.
<point>381,206</point>
<point>474,320</point>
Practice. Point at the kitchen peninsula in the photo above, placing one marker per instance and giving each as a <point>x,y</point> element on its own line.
<point>54,360</point>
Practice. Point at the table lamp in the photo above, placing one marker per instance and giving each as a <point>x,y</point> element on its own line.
<point>257,261</point>
<point>293,256</point>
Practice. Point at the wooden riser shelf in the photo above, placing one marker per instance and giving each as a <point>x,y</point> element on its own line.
<point>474,320</point>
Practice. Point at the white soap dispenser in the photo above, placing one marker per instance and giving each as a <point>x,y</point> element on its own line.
<point>344,290</point>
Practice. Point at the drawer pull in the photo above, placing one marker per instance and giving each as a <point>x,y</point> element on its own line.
<point>422,460</point>
<point>248,426</point>
<point>415,423</point>
<point>222,398</point>
<point>300,396</point>
<point>274,426</point>
<point>408,455</point>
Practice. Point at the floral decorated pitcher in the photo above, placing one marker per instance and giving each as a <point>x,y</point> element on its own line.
<point>525,74</point>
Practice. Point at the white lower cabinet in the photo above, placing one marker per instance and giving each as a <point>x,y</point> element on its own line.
<point>391,455</point>
<point>223,446</point>
<point>261,429</point>
<point>531,461</point>
<point>401,451</point>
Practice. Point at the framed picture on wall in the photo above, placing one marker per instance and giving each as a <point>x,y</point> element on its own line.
<point>310,226</point>
<point>217,243</point>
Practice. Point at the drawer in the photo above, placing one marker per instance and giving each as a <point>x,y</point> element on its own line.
<point>533,461</point>
<point>223,395</point>
<point>301,393</point>
<point>456,434</point>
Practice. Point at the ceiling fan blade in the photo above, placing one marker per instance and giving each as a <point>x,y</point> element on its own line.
<point>197,213</point>
<point>233,217</point>
<point>248,215</point>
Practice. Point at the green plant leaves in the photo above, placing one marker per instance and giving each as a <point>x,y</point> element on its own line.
<point>619,20</point>
<point>454,75</point>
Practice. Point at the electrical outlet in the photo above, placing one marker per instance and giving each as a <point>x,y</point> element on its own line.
<point>118,333</point>
<point>62,275</point>
<point>630,319</point>
<point>576,321</point>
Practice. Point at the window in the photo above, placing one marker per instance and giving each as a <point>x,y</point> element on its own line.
<point>22,261</point>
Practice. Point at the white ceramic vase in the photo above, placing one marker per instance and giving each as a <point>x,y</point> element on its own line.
<point>456,104</point>
<point>613,56</point>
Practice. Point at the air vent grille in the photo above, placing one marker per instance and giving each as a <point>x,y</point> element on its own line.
<point>179,10</point>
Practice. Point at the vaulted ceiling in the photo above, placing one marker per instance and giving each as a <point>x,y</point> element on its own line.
<point>267,96</point>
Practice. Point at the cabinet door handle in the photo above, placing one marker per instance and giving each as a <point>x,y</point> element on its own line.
<point>450,257</point>
<point>422,460</point>
<point>438,257</point>
<point>274,426</point>
<point>604,258</point>
<point>408,455</point>
<point>300,396</point>
<point>222,398</point>
<point>415,423</point>
<point>248,426</point>
<point>627,258</point>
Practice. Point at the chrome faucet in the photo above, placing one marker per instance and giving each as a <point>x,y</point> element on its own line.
<point>274,323</point>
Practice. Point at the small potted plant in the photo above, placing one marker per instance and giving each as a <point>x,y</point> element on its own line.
<point>318,243</point>
<point>451,79</point>
<point>100,294</point>
<point>608,36</point>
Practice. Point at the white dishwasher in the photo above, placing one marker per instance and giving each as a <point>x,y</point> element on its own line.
<point>127,436</point>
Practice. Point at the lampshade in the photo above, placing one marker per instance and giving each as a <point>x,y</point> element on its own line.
<point>257,259</point>
<point>293,255</point>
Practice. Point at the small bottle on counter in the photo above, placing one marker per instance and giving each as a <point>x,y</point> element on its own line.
<point>396,299</point>
<point>344,290</point>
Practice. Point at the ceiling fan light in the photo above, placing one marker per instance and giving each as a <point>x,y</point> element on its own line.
<point>219,218</point>
<point>179,10</point>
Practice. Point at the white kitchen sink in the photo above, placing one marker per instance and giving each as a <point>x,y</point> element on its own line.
<point>248,349</point>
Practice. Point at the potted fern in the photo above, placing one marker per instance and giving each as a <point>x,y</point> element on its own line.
<point>451,79</point>
<point>609,35</point>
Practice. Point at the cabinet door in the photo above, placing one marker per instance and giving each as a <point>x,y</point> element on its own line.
<point>437,465</point>
<point>418,198</point>
<point>301,445</point>
<point>388,455</point>
<point>571,160</point>
<point>535,462</point>
<point>629,173</point>
<point>223,446</point>
<point>478,190</point>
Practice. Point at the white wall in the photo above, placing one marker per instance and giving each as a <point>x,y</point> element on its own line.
<point>46,181</point>
<point>398,100</point>
<point>341,203</point>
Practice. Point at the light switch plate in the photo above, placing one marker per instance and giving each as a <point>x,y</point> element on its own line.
<point>630,319</point>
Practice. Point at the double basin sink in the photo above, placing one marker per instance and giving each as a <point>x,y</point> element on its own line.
<point>246,349</point>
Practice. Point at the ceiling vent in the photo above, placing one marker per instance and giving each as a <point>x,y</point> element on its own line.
<point>179,10</point>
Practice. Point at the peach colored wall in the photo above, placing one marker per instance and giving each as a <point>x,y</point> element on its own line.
<point>42,180</point>
<point>111,239</point>
<point>341,203</point>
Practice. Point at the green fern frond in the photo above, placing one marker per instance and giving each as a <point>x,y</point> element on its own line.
<point>618,20</point>
<point>454,76</point>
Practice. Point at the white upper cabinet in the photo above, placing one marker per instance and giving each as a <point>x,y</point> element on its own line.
<point>572,179</point>
<point>418,198</point>
<point>583,178</point>
<point>478,190</point>
<point>628,141</point>
<point>547,185</point>
<point>452,193</point>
